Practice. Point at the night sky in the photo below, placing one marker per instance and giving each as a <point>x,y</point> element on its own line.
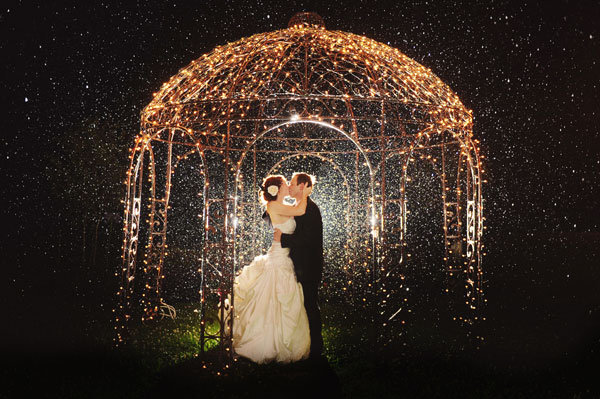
<point>530,73</point>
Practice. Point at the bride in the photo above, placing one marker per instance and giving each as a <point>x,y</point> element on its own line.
<point>270,319</point>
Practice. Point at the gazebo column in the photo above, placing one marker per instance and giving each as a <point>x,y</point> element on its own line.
<point>462,234</point>
<point>392,298</point>
<point>474,231</point>
<point>131,229</point>
<point>157,239</point>
<point>452,229</point>
<point>216,269</point>
<point>227,264</point>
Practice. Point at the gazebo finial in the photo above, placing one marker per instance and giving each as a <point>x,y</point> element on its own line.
<point>306,20</point>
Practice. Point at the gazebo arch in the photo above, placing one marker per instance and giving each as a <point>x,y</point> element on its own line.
<point>305,90</point>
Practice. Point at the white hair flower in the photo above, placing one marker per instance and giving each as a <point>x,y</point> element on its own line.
<point>273,190</point>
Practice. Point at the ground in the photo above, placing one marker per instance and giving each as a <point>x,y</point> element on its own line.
<point>542,340</point>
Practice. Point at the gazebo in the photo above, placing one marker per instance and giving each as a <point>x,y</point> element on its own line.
<point>384,135</point>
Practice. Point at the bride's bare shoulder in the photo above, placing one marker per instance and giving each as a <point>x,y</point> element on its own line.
<point>276,218</point>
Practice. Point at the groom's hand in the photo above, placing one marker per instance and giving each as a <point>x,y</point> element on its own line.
<point>277,235</point>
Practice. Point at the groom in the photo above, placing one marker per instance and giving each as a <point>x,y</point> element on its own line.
<point>306,251</point>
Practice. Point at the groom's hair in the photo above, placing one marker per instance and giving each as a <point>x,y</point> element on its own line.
<point>309,180</point>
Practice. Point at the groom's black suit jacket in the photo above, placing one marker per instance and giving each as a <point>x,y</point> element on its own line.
<point>306,244</point>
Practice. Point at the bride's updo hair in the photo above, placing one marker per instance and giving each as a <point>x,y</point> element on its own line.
<point>273,180</point>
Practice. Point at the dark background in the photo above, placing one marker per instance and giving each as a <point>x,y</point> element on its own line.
<point>76,76</point>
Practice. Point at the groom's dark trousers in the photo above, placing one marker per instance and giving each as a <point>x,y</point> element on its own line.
<point>306,251</point>
<point>311,304</point>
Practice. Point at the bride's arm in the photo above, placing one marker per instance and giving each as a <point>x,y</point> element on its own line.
<point>288,210</point>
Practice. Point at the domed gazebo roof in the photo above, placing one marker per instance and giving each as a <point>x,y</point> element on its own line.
<point>304,62</point>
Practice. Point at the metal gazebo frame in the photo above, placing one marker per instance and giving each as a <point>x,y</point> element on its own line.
<point>247,107</point>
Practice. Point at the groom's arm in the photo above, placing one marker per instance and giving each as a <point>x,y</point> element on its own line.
<point>296,240</point>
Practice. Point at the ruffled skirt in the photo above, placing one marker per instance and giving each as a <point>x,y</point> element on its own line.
<point>270,322</point>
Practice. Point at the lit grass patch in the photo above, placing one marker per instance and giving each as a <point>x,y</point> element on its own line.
<point>167,342</point>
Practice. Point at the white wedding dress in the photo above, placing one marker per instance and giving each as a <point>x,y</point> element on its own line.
<point>270,321</point>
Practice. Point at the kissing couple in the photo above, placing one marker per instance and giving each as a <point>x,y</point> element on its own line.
<point>277,315</point>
